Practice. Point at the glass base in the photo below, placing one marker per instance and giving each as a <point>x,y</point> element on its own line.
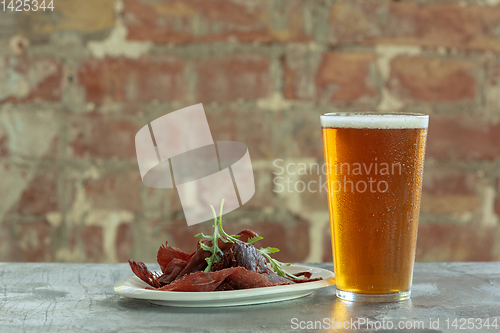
<point>373,298</point>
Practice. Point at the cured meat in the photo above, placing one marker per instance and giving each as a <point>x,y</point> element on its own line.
<point>246,234</point>
<point>197,260</point>
<point>275,278</point>
<point>200,281</point>
<point>307,277</point>
<point>228,278</point>
<point>142,272</point>
<point>167,253</point>
<point>172,271</point>
<point>244,255</point>
<point>242,266</point>
<point>245,279</point>
<point>224,286</point>
<point>196,263</point>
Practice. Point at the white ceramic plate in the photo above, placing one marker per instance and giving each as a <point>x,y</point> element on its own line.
<point>135,288</point>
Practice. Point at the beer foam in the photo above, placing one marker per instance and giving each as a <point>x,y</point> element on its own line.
<point>373,120</point>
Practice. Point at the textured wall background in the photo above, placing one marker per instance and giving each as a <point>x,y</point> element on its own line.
<point>76,84</point>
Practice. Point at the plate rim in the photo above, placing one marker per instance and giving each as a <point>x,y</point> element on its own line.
<point>122,289</point>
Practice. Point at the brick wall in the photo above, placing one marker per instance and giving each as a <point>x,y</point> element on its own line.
<point>76,84</point>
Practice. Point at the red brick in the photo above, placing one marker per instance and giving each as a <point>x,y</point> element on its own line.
<point>289,80</point>
<point>352,21</point>
<point>4,150</point>
<point>341,77</point>
<point>450,242</point>
<point>497,205</point>
<point>292,238</point>
<point>448,181</point>
<point>173,21</point>
<point>124,242</point>
<point>178,234</point>
<point>441,24</point>
<point>327,245</point>
<point>232,78</point>
<point>32,242</point>
<point>492,86</point>
<point>493,73</point>
<point>255,131</point>
<point>160,202</point>
<point>40,195</point>
<point>95,135</point>
<point>432,79</point>
<point>347,73</point>
<point>115,190</point>
<point>93,240</point>
<point>27,79</point>
<point>87,18</point>
<point>264,195</point>
<point>306,133</point>
<point>36,133</point>
<point>299,69</point>
<point>269,135</point>
<point>73,238</point>
<point>448,191</point>
<point>129,80</point>
<point>314,197</point>
<point>461,138</point>
<point>5,240</point>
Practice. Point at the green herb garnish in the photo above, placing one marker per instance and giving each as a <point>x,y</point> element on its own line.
<point>254,239</point>
<point>214,249</point>
<point>275,264</point>
<point>229,238</point>
<point>216,252</point>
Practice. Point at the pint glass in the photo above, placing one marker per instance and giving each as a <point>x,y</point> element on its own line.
<point>374,165</point>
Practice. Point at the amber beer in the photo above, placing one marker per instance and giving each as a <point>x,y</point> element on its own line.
<point>374,166</point>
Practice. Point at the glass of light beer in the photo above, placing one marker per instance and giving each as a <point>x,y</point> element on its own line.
<point>374,165</point>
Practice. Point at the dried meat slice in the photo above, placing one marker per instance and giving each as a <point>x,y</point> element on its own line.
<point>224,286</point>
<point>196,263</point>
<point>143,273</point>
<point>200,281</point>
<point>246,234</point>
<point>244,255</point>
<point>275,278</point>
<point>245,279</point>
<point>172,271</point>
<point>307,277</point>
<point>196,260</point>
<point>167,253</point>
<point>226,279</point>
<point>242,267</point>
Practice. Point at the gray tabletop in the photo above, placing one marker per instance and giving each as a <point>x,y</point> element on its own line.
<point>53,297</point>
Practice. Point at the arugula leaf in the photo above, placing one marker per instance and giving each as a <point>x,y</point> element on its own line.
<point>254,239</point>
<point>229,238</point>
<point>269,250</point>
<point>216,252</point>
<point>205,247</point>
<point>275,264</point>
<point>214,249</point>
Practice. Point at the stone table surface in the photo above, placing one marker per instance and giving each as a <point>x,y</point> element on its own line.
<point>56,297</point>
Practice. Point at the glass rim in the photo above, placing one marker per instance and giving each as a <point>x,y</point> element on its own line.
<point>374,120</point>
<point>372,113</point>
